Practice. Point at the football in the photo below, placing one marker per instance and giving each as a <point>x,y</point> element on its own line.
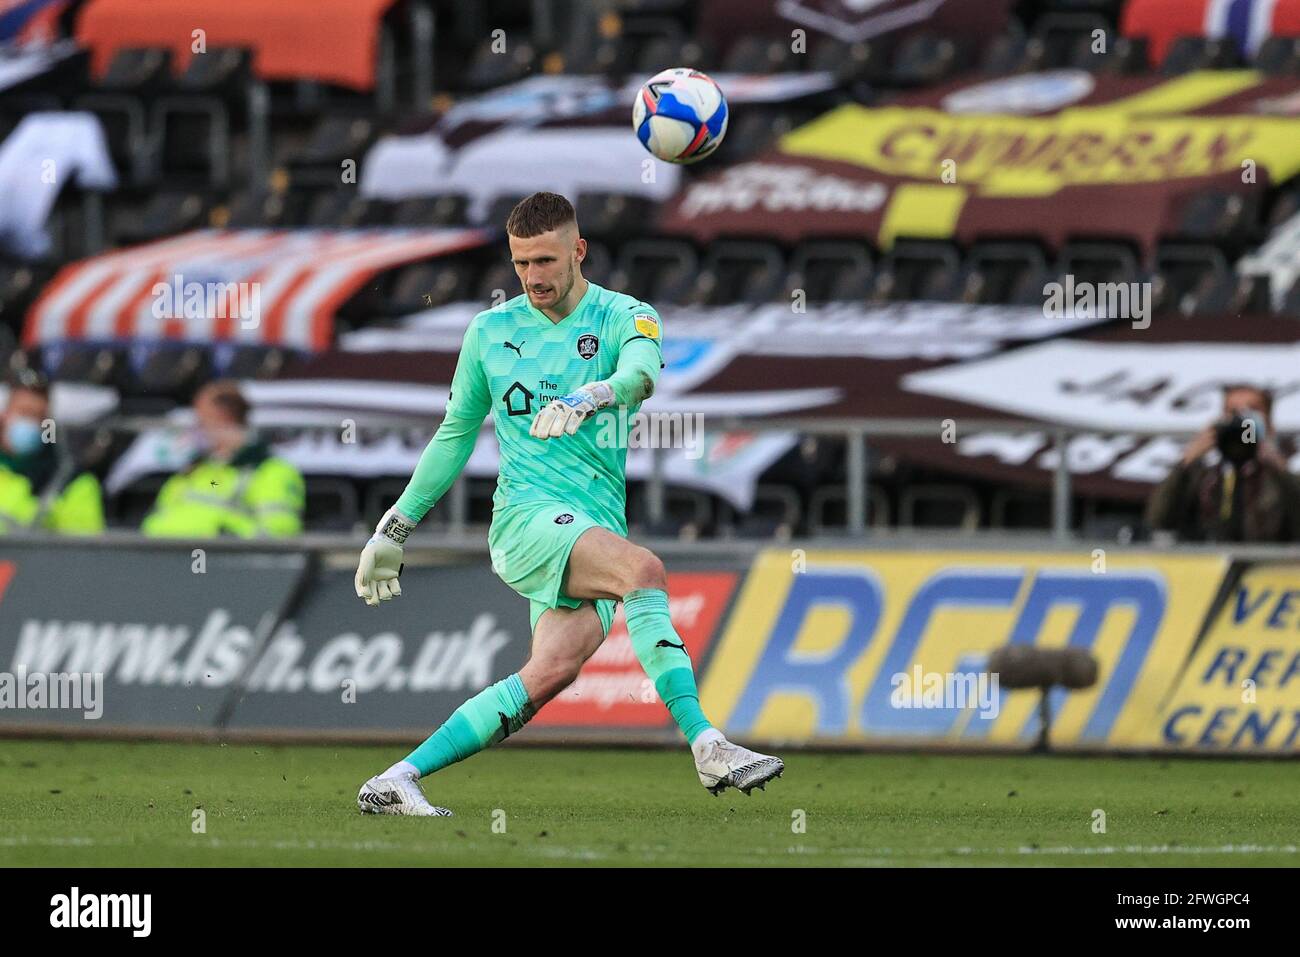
<point>680,115</point>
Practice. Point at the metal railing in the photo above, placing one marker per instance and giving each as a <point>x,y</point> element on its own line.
<point>856,432</point>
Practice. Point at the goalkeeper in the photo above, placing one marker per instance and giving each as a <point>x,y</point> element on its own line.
<point>543,364</point>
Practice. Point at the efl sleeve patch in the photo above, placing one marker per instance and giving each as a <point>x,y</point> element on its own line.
<point>647,325</point>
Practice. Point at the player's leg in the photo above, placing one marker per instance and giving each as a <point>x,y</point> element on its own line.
<point>563,639</point>
<point>603,565</point>
<point>491,715</point>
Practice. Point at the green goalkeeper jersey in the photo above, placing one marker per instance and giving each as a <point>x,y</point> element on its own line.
<point>513,361</point>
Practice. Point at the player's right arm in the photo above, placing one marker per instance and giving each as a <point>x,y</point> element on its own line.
<point>439,466</point>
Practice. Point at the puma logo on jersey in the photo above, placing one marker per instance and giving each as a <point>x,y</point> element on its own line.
<point>517,348</point>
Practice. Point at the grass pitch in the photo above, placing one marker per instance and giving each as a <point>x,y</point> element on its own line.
<point>69,803</point>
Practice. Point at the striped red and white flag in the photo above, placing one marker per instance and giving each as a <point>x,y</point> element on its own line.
<point>254,286</point>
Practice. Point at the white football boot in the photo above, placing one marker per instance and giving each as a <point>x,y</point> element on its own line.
<point>400,794</point>
<point>722,764</point>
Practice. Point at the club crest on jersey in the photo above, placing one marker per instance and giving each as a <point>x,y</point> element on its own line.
<point>647,325</point>
<point>565,519</point>
<point>588,346</point>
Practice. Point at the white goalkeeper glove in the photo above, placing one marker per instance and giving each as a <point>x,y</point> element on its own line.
<point>381,559</point>
<point>565,414</point>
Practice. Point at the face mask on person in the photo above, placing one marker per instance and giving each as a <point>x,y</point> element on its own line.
<point>23,435</point>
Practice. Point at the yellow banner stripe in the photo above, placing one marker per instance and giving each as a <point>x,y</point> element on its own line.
<point>923,211</point>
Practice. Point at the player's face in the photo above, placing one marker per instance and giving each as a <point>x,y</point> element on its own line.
<point>547,265</point>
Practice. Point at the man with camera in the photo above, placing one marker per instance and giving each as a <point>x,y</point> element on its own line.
<point>1232,484</point>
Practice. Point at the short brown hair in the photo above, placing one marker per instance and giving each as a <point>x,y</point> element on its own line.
<point>540,213</point>
<point>1266,395</point>
<point>225,395</point>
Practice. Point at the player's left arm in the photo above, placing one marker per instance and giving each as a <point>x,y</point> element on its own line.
<point>640,358</point>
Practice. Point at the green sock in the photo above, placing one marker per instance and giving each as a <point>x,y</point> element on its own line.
<point>663,656</point>
<point>493,714</point>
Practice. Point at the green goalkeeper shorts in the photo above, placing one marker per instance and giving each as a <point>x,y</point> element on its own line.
<point>530,545</point>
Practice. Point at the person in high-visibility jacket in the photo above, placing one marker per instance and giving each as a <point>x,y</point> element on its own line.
<point>40,488</point>
<point>235,486</point>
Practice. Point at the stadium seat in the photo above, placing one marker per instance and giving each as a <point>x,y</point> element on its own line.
<point>687,513</point>
<point>169,371</point>
<point>917,270</point>
<point>379,496</point>
<point>1199,53</point>
<point>753,54</point>
<point>20,283</point>
<point>1098,262</point>
<point>125,122</point>
<point>254,208</point>
<point>334,140</point>
<point>828,509</point>
<point>864,61</point>
<point>1056,38</point>
<point>139,71</point>
<point>1192,274</point>
<point>1126,56</point>
<point>739,272</point>
<point>499,209</point>
<point>773,515</point>
<point>331,504</point>
<point>613,216</point>
<point>97,365</point>
<point>1008,273</point>
<point>1279,56</point>
<point>424,285</point>
<point>223,72</point>
<point>343,208</point>
<point>191,138</point>
<point>924,59</point>
<point>652,42</point>
<point>598,264</point>
<point>939,506</point>
<point>1005,53</point>
<point>1283,206</point>
<point>248,362</point>
<point>448,209</point>
<point>498,279</point>
<point>661,52</point>
<point>1011,508</point>
<point>164,214</point>
<point>8,346</point>
<point>488,68</point>
<point>757,128</point>
<point>598,48</point>
<point>1220,217</point>
<point>830,271</point>
<point>653,6</point>
<point>656,270</point>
